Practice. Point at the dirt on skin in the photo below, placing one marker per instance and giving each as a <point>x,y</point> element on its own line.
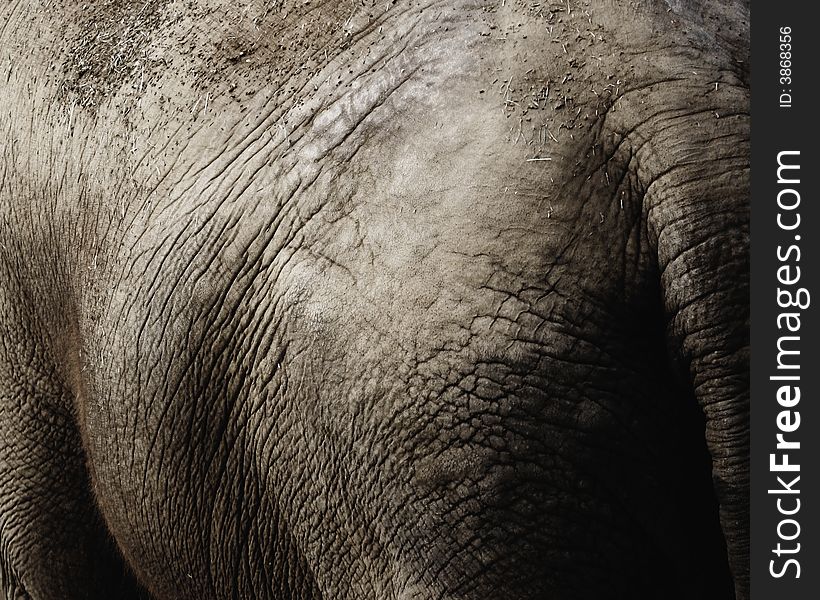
<point>123,45</point>
<point>558,64</point>
<point>109,46</point>
<point>117,43</point>
<point>556,70</point>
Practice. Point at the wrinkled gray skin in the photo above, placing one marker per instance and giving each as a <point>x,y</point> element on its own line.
<point>351,301</point>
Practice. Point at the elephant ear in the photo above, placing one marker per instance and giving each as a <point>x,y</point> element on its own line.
<point>696,207</point>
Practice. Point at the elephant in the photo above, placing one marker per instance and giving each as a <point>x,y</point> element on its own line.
<point>379,299</point>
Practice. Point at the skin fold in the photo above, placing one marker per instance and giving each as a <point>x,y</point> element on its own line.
<point>392,300</point>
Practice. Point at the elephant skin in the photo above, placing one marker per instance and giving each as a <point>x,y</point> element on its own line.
<point>394,299</point>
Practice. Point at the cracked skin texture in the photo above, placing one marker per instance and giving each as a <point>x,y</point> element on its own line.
<point>390,300</point>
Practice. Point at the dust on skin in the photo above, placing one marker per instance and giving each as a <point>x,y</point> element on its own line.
<point>119,45</point>
<point>554,68</point>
